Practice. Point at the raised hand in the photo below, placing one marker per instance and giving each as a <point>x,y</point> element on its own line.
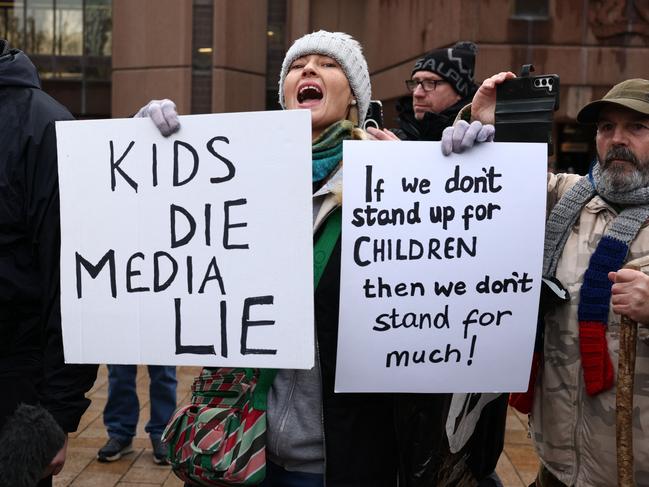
<point>462,136</point>
<point>163,114</point>
<point>483,106</point>
<point>57,463</point>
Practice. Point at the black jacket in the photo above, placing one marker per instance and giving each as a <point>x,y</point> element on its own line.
<point>431,126</point>
<point>31,349</point>
<point>360,447</point>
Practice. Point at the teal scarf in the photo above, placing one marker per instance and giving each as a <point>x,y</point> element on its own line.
<point>327,149</point>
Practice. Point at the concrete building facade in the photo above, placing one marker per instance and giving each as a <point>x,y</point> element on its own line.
<point>591,44</point>
<point>225,55</point>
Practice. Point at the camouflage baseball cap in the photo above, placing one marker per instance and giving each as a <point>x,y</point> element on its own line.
<point>632,93</point>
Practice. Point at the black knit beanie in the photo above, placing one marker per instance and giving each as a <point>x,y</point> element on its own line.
<point>454,64</point>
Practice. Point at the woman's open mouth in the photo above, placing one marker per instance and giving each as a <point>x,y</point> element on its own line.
<point>309,94</point>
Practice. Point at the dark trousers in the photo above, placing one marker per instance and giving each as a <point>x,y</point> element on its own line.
<point>276,476</point>
<point>424,455</point>
<point>122,408</point>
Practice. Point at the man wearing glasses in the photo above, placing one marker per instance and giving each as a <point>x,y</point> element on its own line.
<point>441,84</point>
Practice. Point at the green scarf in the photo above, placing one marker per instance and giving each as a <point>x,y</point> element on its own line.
<point>327,149</point>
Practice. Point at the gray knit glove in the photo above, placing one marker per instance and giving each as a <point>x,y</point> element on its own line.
<point>462,136</point>
<point>163,114</point>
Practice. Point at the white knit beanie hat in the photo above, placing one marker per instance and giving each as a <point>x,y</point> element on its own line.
<point>346,51</point>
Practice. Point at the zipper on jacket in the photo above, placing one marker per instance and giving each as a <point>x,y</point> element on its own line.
<point>284,416</point>
<point>324,443</point>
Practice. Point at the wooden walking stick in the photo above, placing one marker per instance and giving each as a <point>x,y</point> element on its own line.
<point>624,392</point>
<point>624,402</point>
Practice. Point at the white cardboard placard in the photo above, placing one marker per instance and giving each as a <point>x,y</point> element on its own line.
<point>222,209</point>
<point>416,311</point>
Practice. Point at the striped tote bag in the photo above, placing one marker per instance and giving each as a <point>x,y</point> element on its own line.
<point>219,439</point>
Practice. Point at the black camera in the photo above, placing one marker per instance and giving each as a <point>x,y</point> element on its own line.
<point>374,116</point>
<point>525,108</point>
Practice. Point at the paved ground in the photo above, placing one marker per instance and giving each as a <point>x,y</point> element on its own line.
<point>517,465</point>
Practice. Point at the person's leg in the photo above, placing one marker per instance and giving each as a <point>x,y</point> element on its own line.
<point>122,407</point>
<point>162,396</point>
<point>276,476</point>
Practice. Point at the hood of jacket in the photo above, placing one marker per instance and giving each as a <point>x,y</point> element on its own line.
<point>16,69</point>
<point>431,126</point>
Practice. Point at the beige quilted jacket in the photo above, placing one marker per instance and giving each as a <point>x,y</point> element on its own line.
<point>574,433</point>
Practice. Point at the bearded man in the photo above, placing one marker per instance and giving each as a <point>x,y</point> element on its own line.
<point>596,223</point>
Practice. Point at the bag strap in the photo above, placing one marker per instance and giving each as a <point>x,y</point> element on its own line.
<point>265,380</point>
<point>322,250</point>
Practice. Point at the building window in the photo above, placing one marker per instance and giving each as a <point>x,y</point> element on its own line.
<point>531,9</point>
<point>69,41</point>
<point>275,50</point>
<point>576,147</point>
<point>202,26</point>
<point>12,22</point>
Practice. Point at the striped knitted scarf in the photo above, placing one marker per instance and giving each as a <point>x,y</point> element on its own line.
<point>327,149</point>
<point>610,254</point>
